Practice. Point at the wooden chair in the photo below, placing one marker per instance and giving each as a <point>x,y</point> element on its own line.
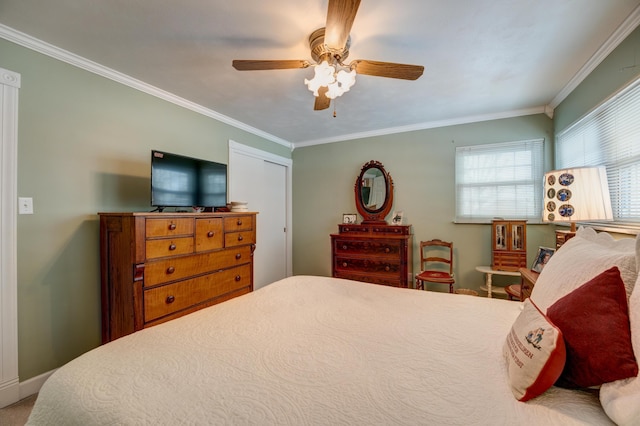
<point>436,262</point>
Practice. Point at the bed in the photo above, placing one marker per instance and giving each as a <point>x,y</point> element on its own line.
<point>314,350</point>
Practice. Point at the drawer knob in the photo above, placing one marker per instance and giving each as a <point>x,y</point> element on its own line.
<point>210,234</point>
<point>345,264</point>
<point>240,238</point>
<point>387,250</point>
<point>172,247</point>
<point>171,270</point>
<point>376,230</point>
<point>239,222</point>
<point>238,256</point>
<point>347,229</point>
<point>238,277</point>
<point>172,227</point>
<point>344,247</point>
<point>387,268</point>
<point>170,299</point>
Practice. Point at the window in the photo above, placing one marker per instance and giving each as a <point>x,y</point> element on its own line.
<point>609,136</point>
<point>499,180</point>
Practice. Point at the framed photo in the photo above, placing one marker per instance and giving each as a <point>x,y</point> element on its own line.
<point>543,256</point>
<point>350,218</point>
<point>396,219</point>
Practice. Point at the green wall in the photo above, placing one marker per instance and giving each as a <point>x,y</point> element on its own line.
<point>421,164</point>
<point>618,69</point>
<point>84,145</point>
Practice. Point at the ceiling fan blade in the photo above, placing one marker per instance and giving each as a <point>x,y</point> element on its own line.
<point>251,65</point>
<point>322,102</point>
<point>387,69</point>
<point>340,17</point>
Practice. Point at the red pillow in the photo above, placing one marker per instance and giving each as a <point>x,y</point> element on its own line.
<point>594,319</point>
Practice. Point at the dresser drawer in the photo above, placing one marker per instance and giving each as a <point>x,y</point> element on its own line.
<point>369,246</point>
<point>234,239</point>
<point>168,247</point>
<point>375,266</point>
<point>354,229</point>
<point>165,270</point>
<point>394,230</point>
<point>209,235</point>
<point>238,223</point>
<point>171,298</point>
<point>166,227</point>
<point>368,278</point>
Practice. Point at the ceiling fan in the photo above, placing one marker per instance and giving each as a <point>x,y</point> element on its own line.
<point>329,48</point>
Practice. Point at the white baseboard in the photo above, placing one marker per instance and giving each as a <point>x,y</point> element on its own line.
<point>33,385</point>
<point>9,393</point>
<point>15,391</point>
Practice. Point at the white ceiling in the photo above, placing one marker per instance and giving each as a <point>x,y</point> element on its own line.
<point>483,58</point>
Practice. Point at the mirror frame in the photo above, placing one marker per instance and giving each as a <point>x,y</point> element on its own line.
<point>378,215</point>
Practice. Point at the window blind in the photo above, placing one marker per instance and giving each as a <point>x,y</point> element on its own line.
<point>499,180</point>
<point>609,136</point>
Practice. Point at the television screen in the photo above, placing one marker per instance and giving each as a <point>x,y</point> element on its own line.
<point>179,181</point>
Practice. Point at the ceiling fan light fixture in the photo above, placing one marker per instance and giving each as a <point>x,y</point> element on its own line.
<point>336,82</point>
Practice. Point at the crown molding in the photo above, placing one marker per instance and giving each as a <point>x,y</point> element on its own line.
<point>425,126</point>
<point>40,46</point>
<point>618,36</point>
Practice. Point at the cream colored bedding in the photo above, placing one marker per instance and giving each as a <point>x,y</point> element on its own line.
<point>311,350</point>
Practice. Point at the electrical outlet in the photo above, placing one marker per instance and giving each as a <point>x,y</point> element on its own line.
<point>25,205</point>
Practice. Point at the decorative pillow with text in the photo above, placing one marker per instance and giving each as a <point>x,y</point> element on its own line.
<point>535,353</point>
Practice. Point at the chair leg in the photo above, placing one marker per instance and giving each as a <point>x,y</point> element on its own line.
<point>419,285</point>
<point>451,288</point>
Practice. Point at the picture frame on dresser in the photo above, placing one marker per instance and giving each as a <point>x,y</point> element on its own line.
<point>350,218</point>
<point>397,217</point>
<point>542,257</point>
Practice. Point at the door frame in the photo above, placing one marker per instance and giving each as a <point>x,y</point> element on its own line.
<point>9,381</point>
<point>240,149</point>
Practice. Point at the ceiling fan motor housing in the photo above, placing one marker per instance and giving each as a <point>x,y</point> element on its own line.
<point>321,52</point>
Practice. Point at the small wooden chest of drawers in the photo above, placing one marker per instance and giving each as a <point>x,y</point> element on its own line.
<point>379,254</point>
<point>159,266</point>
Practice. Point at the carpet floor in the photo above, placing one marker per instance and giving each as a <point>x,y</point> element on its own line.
<point>18,413</point>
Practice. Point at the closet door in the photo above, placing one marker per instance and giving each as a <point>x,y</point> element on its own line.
<point>263,181</point>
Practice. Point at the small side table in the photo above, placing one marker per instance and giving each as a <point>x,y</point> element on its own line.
<point>488,274</point>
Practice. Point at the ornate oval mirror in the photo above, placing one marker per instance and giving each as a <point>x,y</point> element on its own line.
<point>374,193</point>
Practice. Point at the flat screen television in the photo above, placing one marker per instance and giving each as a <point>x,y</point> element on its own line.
<point>179,181</point>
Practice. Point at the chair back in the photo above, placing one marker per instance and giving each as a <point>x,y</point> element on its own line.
<point>436,255</point>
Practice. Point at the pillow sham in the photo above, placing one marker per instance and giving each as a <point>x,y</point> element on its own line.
<point>594,320</point>
<point>582,258</point>
<point>535,353</point>
<point>619,399</point>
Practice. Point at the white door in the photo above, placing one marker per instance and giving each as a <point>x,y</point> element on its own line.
<point>263,180</point>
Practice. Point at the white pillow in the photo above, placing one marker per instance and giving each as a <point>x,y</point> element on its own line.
<point>579,260</point>
<point>621,399</point>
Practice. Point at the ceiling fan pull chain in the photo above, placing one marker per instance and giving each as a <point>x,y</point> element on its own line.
<point>334,108</point>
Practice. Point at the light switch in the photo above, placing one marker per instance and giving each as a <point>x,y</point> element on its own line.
<point>25,205</point>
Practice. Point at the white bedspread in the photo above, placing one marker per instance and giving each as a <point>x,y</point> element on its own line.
<point>311,350</point>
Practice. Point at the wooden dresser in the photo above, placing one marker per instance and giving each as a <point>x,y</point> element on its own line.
<point>159,266</point>
<point>379,254</point>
